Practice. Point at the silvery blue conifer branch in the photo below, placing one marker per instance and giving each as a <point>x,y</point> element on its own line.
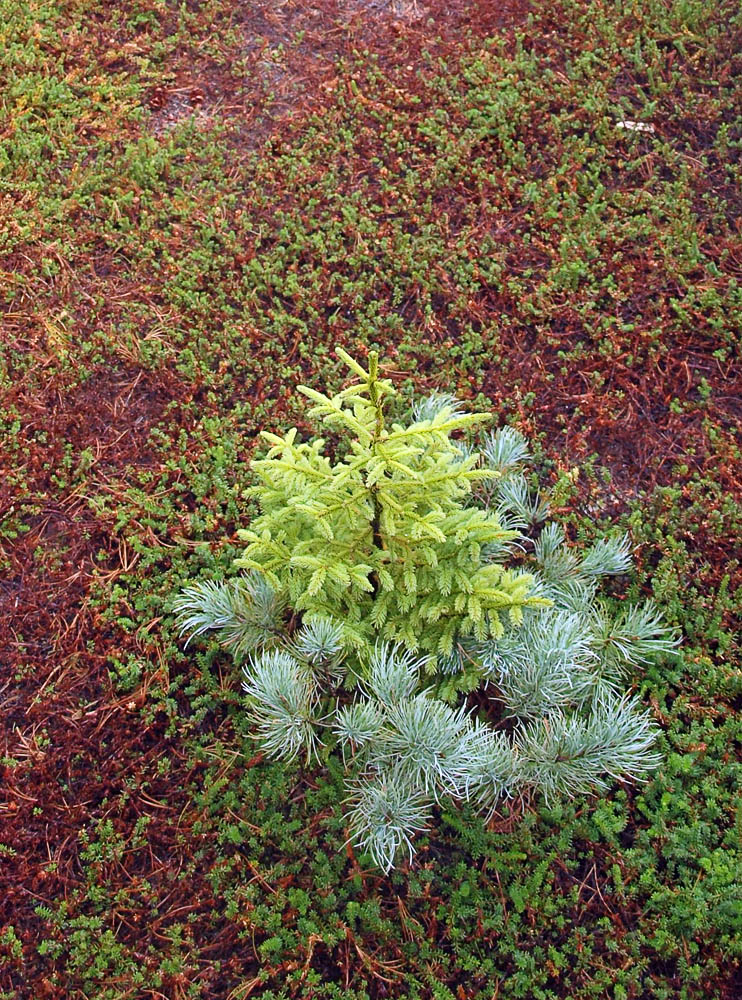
<point>505,449</point>
<point>392,674</point>
<point>544,665</point>
<point>359,724</point>
<point>245,612</point>
<point>321,643</point>
<point>606,557</point>
<point>514,498</point>
<point>436,403</point>
<point>572,754</point>
<point>496,769</point>
<point>283,697</point>
<point>386,811</point>
<point>426,738</point>
<point>635,636</point>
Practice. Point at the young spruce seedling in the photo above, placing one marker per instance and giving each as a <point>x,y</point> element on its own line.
<point>381,589</point>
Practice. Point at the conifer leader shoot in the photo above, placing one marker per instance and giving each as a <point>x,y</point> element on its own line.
<point>381,540</point>
<point>377,595</point>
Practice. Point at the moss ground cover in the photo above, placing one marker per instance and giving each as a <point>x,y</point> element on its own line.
<point>197,204</point>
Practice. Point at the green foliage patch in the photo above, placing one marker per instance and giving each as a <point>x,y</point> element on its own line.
<point>487,225</point>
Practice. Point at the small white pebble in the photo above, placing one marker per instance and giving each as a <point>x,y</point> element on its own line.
<point>636,126</point>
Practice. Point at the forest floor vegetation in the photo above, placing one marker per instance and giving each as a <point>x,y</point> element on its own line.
<point>199,202</point>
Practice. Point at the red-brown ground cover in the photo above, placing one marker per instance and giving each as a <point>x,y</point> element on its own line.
<point>664,396</point>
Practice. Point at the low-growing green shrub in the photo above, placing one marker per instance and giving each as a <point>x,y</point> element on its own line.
<point>399,606</point>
